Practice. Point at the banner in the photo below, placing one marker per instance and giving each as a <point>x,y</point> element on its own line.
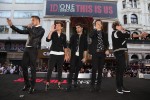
<point>82,9</point>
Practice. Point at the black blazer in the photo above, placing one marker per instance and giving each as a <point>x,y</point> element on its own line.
<point>93,45</point>
<point>58,43</point>
<point>35,35</point>
<point>82,45</point>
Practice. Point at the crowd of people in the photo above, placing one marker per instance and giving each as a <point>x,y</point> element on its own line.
<point>9,69</point>
<point>131,71</point>
<point>11,46</point>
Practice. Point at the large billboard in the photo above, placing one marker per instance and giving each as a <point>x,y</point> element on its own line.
<point>82,9</point>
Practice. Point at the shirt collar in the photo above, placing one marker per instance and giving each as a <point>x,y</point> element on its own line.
<point>38,26</point>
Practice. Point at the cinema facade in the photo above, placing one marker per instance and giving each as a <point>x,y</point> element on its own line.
<point>72,12</point>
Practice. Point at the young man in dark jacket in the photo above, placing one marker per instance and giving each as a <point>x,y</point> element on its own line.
<point>35,33</point>
<point>119,36</point>
<point>98,48</point>
<point>78,47</point>
<point>58,52</point>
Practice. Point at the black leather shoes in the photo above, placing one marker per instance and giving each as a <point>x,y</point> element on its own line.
<point>59,87</point>
<point>31,90</point>
<point>68,89</point>
<point>92,89</point>
<point>25,88</point>
<point>98,89</point>
<point>76,85</point>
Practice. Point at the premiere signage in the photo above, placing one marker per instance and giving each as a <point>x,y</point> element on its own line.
<point>82,9</point>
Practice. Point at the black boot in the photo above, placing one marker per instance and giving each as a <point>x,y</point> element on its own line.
<point>98,88</point>
<point>69,88</point>
<point>92,89</point>
<point>31,90</point>
<point>76,85</point>
<point>26,87</point>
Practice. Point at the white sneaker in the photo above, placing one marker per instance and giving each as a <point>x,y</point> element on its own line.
<point>119,91</point>
<point>125,90</point>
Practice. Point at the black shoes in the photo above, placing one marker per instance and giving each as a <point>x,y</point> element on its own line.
<point>31,90</point>
<point>98,89</point>
<point>95,89</point>
<point>76,85</point>
<point>92,89</point>
<point>122,90</point>
<point>68,89</point>
<point>59,86</point>
<point>28,88</point>
<point>25,88</point>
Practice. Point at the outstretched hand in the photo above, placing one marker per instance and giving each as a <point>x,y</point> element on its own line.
<point>144,34</point>
<point>9,22</point>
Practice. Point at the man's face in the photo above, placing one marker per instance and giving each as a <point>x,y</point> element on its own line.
<point>98,24</point>
<point>79,29</point>
<point>119,27</point>
<point>34,21</point>
<point>58,27</point>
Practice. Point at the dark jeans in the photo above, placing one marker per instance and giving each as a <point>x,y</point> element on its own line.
<point>97,64</point>
<point>29,59</point>
<point>120,57</point>
<point>55,60</point>
<point>75,66</point>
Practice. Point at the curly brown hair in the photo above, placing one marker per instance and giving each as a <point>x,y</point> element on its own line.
<point>116,23</point>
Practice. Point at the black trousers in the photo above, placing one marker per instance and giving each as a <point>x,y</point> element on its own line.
<point>29,59</point>
<point>120,57</point>
<point>97,64</point>
<point>55,60</point>
<point>75,66</point>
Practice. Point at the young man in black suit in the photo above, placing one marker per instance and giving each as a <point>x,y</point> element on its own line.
<point>35,33</point>
<point>98,48</point>
<point>78,47</point>
<point>58,52</point>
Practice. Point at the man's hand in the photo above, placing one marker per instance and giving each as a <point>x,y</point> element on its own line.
<point>66,58</point>
<point>144,34</point>
<point>107,52</point>
<point>29,25</point>
<point>67,54</point>
<point>84,60</point>
<point>52,29</point>
<point>9,22</point>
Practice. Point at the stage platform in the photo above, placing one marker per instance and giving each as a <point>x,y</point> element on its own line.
<point>10,89</point>
<point>81,75</point>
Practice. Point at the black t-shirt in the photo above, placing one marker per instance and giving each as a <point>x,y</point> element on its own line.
<point>58,42</point>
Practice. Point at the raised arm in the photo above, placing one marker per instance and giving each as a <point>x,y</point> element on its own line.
<point>16,29</point>
<point>49,37</point>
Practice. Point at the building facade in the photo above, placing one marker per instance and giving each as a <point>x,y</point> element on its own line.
<point>135,16</point>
